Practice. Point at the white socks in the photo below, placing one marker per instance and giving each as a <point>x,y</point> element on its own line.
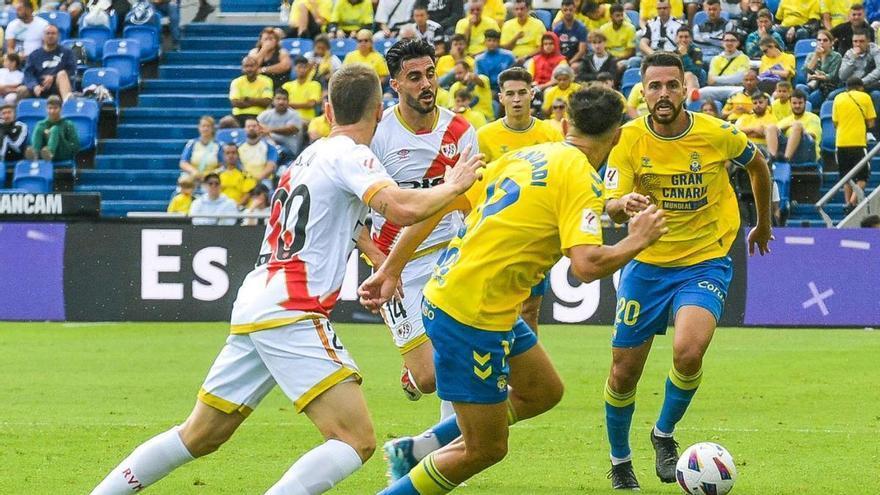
<point>446,409</point>
<point>424,444</point>
<point>318,470</point>
<point>149,463</point>
<point>660,434</point>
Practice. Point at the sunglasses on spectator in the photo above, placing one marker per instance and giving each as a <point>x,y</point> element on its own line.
<point>558,107</point>
<point>212,183</point>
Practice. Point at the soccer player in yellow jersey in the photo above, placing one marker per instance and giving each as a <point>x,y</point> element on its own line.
<point>531,207</point>
<point>515,130</point>
<point>675,160</point>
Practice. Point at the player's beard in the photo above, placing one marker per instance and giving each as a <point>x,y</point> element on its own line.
<point>417,105</point>
<point>676,111</point>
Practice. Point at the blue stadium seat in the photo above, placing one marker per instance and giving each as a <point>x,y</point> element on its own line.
<point>33,176</point>
<point>124,56</point>
<point>630,78</point>
<point>148,37</point>
<point>341,47</point>
<point>701,17</point>
<point>90,47</point>
<point>385,45</point>
<point>7,15</point>
<point>114,21</point>
<point>98,34</point>
<point>30,112</point>
<point>297,46</point>
<point>633,16</point>
<point>829,134</point>
<point>59,19</point>
<point>544,16</point>
<point>2,175</point>
<point>804,47</point>
<point>84,113</point>
<point>825,111</point>
<point>226,136</point>
<point>105,76</point>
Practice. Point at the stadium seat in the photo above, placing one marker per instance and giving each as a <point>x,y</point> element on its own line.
<point>226,136</point>
<point>30,112</point>
<point>114,21</point>
<point>702,16</point>
<point>84,113</point>
<point>89,47</point>
<point>59,19</point>
<point>804,47</point>
<point>385,45</point>
<point>7,15</point>
<point>772,5</point>
<point>826,109</point>
<point>124,56</point>
<point>633,16</point>
<point>105,76</point>
<point>341,47</point>
<point>630,78</point>
<point>149,39</point>
<point>829,132</point>
<point>33,176</point>
<point>544,16</point>
<point>2,175</point>
<point>297,46</point>
<point>98,34</point>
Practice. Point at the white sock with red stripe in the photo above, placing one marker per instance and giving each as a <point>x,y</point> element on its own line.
<point>149,463</point>
<point>318,470</point>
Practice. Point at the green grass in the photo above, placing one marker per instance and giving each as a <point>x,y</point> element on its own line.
<point>799,410</point>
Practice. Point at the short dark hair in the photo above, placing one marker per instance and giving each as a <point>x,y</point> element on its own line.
<point>404,50</point>
<point>463,94</point>
<point>514,74</point>
<point>299,60</point>
<point>605,76</point>
<point>323,39</point>
<point>683,29</point>
<point>870,221</point>
<point>9,106</point>
<point>854,82</point>
<point>857,6</point>
<point>230,144</point>
<point>458,37</point>
<point>420,6</point>
<point>350,80</point>
<point>492,34</point>
<point>527,2</point>
<point>211,175</point>
<point>14,57</point>
<point>712,2</point>
<point>799,93</point>
<point>662,59</point>
<point>567,3</point>
<point>595,110</point>
<point>859,32</point>
<point>53,100</point>
<point>614,8</point>
<point>464,64</point>
<point>282,92</point>
<point>765,13</point>
<point>589,6</point>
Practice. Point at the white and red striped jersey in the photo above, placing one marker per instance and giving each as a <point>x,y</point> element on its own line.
<point>419,160</point>
<point>316,215</point>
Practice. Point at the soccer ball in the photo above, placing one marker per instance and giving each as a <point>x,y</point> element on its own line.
<point>706,469</point>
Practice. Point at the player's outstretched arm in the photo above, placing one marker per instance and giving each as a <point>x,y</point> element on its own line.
<point>622,209</point>
<point>762,187</point>
<point>408,206</point>
<point>591,262</point>
<point>381,285</point>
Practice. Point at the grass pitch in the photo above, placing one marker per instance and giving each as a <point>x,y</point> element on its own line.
<point>798,409</point>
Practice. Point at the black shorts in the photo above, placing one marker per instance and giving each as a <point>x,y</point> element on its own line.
<point>847,158</point>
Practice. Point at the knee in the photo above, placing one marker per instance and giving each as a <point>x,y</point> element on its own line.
<point>201,441</point>
<point>489,454</point>
<point>61,75</point>
<point>426,382</point>
<point>688,362</point>
<point>624,377</point>
<point>364,443</point>
<point>22,92</point>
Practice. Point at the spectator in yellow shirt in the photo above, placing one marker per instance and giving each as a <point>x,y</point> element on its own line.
<point>365,54</point>
<point>648,9</point>
<point>797,19</point>
<point>562,88</point>
<point>754,125</point>
<point>182,201</point>
<point>620,35</point>
<point>303,93</point>
<point>250,93</point>
<point>775,63</point>
<point>522,34</point>
<point>234,183</point>
<point>636,106</point>
<point>853,114</point>
<point>309,18</point>
<point>457,51</point>
<point>349,16</point>
<point>496,10</point>
<point>740,103</point>
<point>796,138</point>
<point>477,85</point>
<point>463,100</point>
<point>558,118</point>
<point>474,27</point>
<point>781,106</point>
<point>319,128</point>
<point>596,15</point>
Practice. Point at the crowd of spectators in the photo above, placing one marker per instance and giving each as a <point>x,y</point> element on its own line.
<point>744,63</point>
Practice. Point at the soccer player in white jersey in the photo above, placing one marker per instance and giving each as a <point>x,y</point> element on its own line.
<point>416,140</point>
<point>280,331</point>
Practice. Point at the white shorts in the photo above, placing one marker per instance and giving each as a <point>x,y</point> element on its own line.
<point>304,358</point>
<point>404,318</point>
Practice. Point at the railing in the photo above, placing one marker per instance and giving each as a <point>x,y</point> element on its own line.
<point>863,205</point>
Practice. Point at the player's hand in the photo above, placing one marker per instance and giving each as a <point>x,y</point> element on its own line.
<point>468,170</point>
<point>378,289</point>
<point>519,35</point>
<point>648,225</point>
<point>634,202</point>
<point>760,235</point>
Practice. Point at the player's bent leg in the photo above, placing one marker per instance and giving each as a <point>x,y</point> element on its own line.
<point>341,415</point>
<point>535,386</point>
<point>419,361</point>
<point>207,428</point>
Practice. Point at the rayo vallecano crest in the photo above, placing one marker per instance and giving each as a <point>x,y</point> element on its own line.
<point>449,150</point>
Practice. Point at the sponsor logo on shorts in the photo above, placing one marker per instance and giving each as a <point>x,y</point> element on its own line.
<point>711,287</point>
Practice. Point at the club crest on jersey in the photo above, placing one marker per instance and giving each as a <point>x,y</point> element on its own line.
<point>449,150</point>
<point>646,162</point>
<point>402,153</point>
<point>695,162</point>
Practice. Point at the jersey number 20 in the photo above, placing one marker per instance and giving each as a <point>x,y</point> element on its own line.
<point>285,251</point>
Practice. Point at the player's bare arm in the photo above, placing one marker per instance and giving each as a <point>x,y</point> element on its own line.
<point>409,206</point>
<point>381,285</point>
<point>622,209</point>
<point>761,234</point>
<point>590,262</point>
<point>369,249</point>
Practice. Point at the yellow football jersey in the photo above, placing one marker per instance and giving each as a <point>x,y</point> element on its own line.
<point>496,139</point>
<point>685,176</point>
<point>529,209</point>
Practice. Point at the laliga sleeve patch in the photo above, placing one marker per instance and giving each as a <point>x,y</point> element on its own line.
<point>612,176</point>
<point>590,222</point>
